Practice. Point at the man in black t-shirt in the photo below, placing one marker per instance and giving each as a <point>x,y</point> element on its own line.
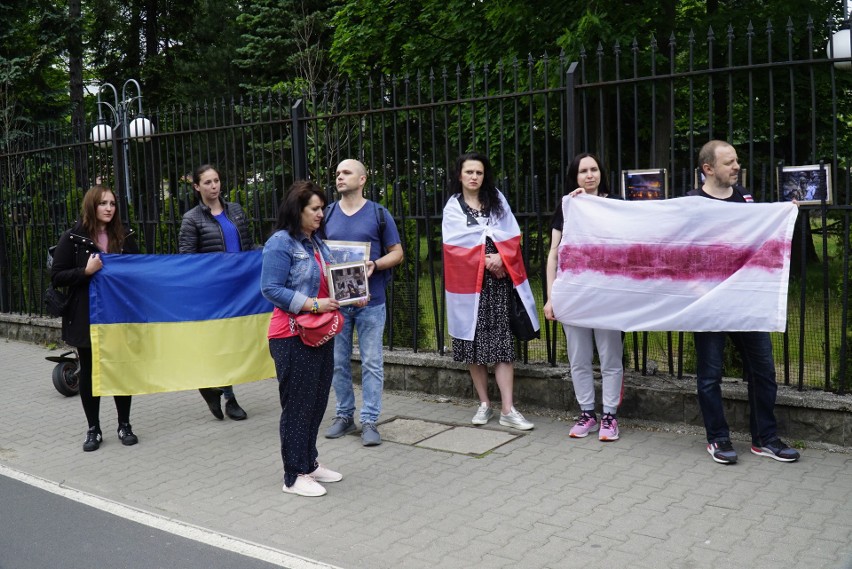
<point>718,161</point>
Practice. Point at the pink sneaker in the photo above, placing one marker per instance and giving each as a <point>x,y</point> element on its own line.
<point>585,424</point>
<point>609,428</point>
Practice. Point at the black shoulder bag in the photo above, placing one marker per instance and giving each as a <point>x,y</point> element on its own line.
<point>55,301</point>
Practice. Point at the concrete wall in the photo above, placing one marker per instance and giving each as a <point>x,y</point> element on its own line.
<point>802,416</point>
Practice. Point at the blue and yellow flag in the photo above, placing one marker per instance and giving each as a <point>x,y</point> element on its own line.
<point>174,322</point>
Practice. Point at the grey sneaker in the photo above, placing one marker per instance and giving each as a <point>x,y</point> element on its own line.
<point>370,436</point>
<point>339,427</point>
<point>515,420</point>
<point>483,414</point>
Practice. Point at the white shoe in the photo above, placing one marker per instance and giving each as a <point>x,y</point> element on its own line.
<point>483,414</point>
<point>323,474</point>
<point>515,420</point>
<point>305,485</point>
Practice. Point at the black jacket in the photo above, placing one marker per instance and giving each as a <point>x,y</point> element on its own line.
<point>201,233</point>
<point>69,265</point>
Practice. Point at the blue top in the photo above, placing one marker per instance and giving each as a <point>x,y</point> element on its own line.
<point>230,233</point>
<point>290,273</point>
<point>363,226</point>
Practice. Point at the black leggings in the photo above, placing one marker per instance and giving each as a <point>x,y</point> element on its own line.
<point>92,404</point>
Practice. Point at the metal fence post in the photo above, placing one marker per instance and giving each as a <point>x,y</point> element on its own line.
<point>572,133</point>
<point>300,141</point>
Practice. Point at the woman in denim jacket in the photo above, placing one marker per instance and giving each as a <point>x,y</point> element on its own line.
<point>294,281</point>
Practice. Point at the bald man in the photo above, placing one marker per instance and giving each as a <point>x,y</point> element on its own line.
<point>355,218</point>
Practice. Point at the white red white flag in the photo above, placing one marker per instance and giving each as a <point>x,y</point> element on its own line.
<point>464,264</point>
<point>686,264</point>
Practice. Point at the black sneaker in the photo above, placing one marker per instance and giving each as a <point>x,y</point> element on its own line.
<point>93,439</point>
<point>233,409</point>
<point>722,451</point>
<point>125,434</point>
<point>777,450</point>
<point>213,397</point>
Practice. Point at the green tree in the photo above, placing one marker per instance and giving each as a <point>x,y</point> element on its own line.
<point>285,43</point>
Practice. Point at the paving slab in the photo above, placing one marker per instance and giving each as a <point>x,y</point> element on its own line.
<point>410,431</point>
<point>467,440</point>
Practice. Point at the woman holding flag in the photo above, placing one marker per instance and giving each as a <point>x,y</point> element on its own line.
<point>76,259</point>
<point>586,171</point>
<point>482,264</point>
<point>215,226</point>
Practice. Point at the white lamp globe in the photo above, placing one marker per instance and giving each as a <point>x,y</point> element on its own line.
<point>840,47</point>
<point>140,129</point>
<point>102,135</point>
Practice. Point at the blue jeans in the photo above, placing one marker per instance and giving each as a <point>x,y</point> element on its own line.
<point>369,322</point>
<point>759,373</point>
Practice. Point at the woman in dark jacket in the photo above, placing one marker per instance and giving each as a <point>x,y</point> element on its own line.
<point>215,226</point>
<point>76,259</point>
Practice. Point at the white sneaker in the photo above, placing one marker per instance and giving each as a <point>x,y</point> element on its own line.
<point>483,414</point>
<point>323,474</point>
<point>515,420</point>
<point>305,485</point>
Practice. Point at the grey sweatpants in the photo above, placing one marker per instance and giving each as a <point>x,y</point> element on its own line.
<point>581,346</point>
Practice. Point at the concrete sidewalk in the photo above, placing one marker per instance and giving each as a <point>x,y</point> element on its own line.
<point>649,500</point>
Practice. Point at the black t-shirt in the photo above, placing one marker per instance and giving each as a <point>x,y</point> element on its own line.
<point>739,195</point>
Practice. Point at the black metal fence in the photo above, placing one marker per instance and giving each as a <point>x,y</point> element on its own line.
<point>776,98</point>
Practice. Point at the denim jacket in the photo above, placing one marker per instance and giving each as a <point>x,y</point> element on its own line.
<point>290,273</point>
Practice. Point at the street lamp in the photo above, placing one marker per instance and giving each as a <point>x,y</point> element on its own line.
<point>140,128</point>
<point>840,44</point>
<point>840,47</point>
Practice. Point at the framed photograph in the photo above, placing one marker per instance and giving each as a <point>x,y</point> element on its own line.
<point>742,179</point>
<point>806,184</point>
<point>644,184</point>
<point>348,282</point>
<point>349,251</point>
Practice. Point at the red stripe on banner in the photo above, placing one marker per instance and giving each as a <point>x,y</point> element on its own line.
<point>463,268</point>
<point>672,262</point>
<point>513,260</point>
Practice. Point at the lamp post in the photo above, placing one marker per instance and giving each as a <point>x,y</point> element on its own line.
<point>140,128</point>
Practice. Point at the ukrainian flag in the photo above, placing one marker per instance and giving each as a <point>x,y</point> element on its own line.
<point>174,322</point>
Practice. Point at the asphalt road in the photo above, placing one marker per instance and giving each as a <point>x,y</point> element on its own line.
<point>43,530</point>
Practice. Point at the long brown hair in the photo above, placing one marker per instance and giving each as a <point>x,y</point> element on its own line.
<point>89,218</point>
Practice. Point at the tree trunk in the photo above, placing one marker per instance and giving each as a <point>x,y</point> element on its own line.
<point>75,87</point>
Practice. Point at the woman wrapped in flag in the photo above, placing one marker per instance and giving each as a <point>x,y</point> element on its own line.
<point>482,264</point>
<point>586,171</point>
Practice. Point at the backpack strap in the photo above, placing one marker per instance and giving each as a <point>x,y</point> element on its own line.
<point>382,223</point>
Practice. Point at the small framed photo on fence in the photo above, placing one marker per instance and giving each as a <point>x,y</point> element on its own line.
<point>349,251</point>
<point>807,184</point>
<point>644,184</point>
<point>348,282</point>
<point>742,178</point>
